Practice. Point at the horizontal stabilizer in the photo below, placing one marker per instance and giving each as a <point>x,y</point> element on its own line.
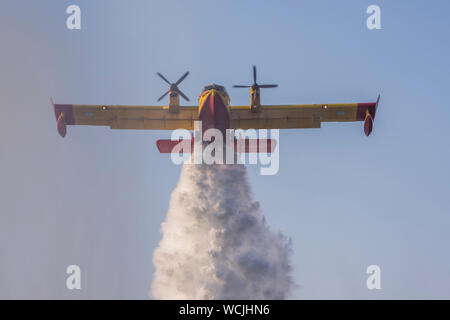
<point>240,146</point>
<point>255,145</point>
<point>167,146</point>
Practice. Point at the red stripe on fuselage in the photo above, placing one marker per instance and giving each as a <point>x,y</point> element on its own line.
<point>214,113</point>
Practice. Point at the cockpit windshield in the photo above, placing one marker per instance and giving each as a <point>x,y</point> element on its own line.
<point>216,87</point>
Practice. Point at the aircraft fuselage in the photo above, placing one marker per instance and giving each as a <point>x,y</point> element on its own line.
<point>213,110</point>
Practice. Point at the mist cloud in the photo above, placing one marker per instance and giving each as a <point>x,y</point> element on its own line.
<point>216,244</point>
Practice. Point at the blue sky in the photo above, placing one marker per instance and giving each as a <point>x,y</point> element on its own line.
<point>97,197</point>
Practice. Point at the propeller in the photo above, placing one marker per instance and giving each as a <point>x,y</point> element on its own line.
<point>174,86</point>
<point>255,85</point>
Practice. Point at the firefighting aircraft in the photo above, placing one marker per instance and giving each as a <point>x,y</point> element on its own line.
<point>214,111</point>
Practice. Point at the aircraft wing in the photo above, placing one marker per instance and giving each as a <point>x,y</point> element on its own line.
<point>124,117</point>
<point>302,115</point>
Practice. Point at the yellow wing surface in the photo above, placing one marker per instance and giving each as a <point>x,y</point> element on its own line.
<point>292,116</point>
<point>302,115</point>
<point>242,117</point>
<point>125,117</point>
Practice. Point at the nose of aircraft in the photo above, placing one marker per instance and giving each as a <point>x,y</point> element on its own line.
<point>214,112</point>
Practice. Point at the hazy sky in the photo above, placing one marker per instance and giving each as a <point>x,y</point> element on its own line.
<point>97,198</point>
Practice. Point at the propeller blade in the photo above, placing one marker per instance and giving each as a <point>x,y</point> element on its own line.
<point>162,77</point>
<point>182,78</point>
<point>182,94</point>
<point>236,86</point>
<point>165,94</point>
<point>268,85</point>
<point>254,74</point>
